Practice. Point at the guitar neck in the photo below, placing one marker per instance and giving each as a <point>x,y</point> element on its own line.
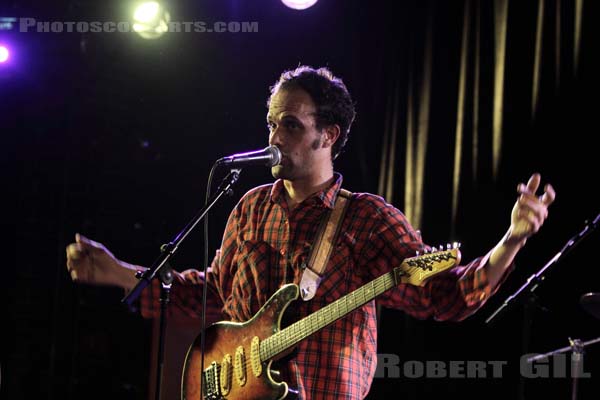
<point>300,330</point>
<point>414,271</point>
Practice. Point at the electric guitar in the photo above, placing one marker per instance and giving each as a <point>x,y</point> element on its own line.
<point>238,356</point>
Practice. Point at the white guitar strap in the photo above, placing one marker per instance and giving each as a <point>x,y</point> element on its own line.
<point>323,246</point>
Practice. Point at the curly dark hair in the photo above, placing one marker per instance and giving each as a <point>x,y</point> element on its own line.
<point>331,97</point>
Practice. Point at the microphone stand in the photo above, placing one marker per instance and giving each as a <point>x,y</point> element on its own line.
<point>527,290</point>
<point>534,280</point>
<point>161,269</point>
<point>577,347</point>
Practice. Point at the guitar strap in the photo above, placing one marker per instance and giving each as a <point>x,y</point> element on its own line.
<point>323,246</point>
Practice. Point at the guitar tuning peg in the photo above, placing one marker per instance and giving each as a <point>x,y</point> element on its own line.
<point>448,246</point>
<point>456,245</point>
<point>417,253</point>
<point>433,249</point>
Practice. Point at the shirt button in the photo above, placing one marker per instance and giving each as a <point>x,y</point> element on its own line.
<point>282,252</point>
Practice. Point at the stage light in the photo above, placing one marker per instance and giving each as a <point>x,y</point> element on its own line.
<point>4,54</point>
<point>299,4</point>
<point>151,20</point>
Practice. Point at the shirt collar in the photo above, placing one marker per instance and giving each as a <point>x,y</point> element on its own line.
<point>326,196</point>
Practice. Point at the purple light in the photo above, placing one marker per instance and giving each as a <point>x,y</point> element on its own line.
<point>4,54</point>
<point>299,4</point>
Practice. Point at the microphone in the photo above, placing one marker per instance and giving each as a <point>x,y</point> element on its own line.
<point>269,156</point>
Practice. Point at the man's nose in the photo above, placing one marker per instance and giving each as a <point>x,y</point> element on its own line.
<point>275,137</point>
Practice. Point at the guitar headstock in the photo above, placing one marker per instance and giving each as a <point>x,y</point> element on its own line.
<point>416,270</point>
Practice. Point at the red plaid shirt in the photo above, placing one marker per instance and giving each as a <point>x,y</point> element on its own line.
<point>266,245</point>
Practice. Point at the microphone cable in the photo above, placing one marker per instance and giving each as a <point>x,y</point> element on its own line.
<point>205,285</point>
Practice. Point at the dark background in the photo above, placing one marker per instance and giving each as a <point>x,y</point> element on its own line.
<point>113,136</point>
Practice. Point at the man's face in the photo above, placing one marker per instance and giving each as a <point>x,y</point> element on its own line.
<point>292,128</point>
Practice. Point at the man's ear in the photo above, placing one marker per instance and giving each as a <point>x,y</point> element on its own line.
<point>332,133</point>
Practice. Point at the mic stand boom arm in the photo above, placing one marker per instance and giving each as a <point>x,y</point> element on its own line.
<point>534,280</point>
<point>169,249</point>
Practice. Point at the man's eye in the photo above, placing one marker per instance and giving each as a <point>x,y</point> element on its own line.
<point>292,125</point>
<point>271,126</point>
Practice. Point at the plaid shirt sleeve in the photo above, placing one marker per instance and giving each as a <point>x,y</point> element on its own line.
<point>453,296</point>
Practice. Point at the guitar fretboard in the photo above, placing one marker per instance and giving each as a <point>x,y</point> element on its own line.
<point>300,330</point>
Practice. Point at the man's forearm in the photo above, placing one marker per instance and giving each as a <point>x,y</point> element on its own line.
<point>502,257</point>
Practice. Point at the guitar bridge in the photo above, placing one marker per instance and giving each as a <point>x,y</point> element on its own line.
<point>211,386</point>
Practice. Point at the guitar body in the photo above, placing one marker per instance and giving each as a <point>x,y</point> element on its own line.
<point>234,340</point>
